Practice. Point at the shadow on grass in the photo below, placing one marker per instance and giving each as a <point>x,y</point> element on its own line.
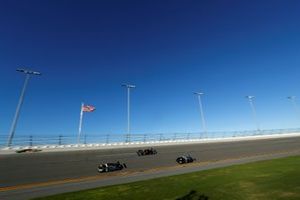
<point>193,195</point>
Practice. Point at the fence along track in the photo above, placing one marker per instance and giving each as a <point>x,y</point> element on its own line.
<point>25,141</point>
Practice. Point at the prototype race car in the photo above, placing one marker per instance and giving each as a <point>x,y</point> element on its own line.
<point>145,152</point>
<point>110,167</point>
<point>28,150</point>
<point>185,159</point>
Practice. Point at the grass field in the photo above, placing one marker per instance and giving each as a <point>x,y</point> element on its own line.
<point>273,179</point>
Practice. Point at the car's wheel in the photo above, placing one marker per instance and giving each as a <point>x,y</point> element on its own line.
<point>140,152</point>
<point>180,160</point>
<point>100,170</point>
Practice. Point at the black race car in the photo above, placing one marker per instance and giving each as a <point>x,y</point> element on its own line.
<point>145,152</point>
<point>28,150</point>
<point>185,159</point>
<point>110,167</point>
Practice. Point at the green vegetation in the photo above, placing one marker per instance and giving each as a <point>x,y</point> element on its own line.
<point>273,179</point>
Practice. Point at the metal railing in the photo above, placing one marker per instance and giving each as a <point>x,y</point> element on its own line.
<point>34,140</point>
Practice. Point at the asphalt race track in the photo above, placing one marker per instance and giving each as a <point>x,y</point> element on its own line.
<point>19,169</point>
<point>33,168</point>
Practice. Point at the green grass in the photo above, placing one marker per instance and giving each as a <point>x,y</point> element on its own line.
<point>273,179</point>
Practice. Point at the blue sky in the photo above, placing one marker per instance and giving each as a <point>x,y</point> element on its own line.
<point>168,49</point>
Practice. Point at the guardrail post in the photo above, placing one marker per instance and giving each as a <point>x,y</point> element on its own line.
<point>60,140</point>
<point>160,137</point>
<point>30,140</point>
<point>145,137</point>
<point>127,138</point>
<point>107,139</point>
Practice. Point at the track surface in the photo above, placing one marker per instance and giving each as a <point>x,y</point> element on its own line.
<point>20,169</point>
<point>23,176</point>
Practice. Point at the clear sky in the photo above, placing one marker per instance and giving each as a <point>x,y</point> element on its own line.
<point>168,49</point>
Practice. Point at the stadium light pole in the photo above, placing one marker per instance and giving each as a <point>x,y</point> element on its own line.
<point>251,102</point>
<point>201,111</point>
<point>27,73</point>
<point>129,87</point>
<point>293,100</point>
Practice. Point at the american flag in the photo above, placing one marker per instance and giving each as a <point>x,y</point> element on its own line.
<point>87,108</point>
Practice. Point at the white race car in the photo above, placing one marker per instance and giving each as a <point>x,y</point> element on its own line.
<point>109,167</point>
<point>185,159</point>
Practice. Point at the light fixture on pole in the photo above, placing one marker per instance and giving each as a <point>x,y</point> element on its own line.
<point>27,73</point>
<point>251,102</point>
<point>199,94</point>
<point>129,87</point>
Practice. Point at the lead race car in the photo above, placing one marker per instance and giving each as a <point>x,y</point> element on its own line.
<point>185,159</point>
<point>145,152</point>
<point>110,167</point>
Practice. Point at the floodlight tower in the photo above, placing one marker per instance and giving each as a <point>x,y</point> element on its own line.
<point>293,100</point>
<point>251,102</point>
<point>27,73</point>
<point>129,87</point>
<point>199,94</point>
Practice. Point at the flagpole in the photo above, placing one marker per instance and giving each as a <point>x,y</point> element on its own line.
<point>80,122</point>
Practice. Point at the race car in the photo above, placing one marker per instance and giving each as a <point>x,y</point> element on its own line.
<point>185,159</point>
<point>29,150</point>
<point>145,152</point>
<point>110,167</point>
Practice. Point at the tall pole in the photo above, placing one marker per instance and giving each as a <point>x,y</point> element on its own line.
<point>128,113</point>
<point>250,99</point>
<point>80,123</point>
<point>201,112</point>
<point>293,100</point>
<point>17,113</point>
<point>129,87</point>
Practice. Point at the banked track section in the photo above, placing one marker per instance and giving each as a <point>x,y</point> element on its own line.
<point>17,170</point>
